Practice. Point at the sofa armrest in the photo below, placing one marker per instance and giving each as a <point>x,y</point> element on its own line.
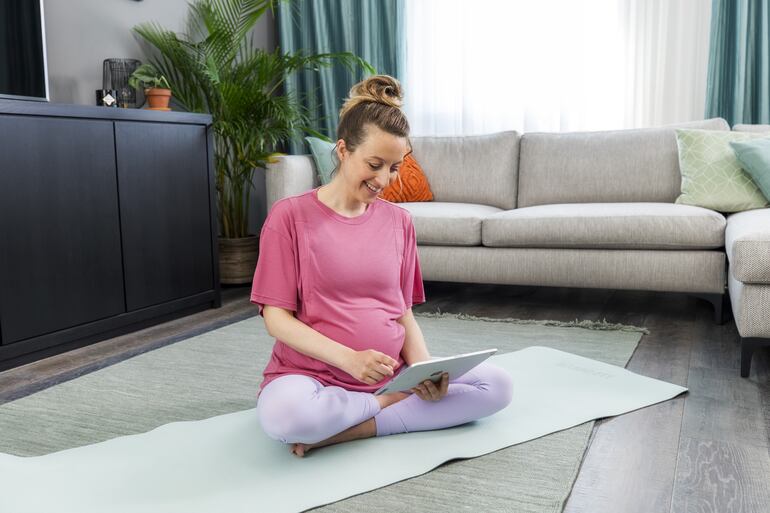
<point>747,243</point>
<point>291,175</point>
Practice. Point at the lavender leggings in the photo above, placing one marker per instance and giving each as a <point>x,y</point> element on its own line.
<point>297,408</point>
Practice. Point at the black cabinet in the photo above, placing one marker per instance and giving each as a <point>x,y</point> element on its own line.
<point>164,207</point>
<point>107,224</point>
<point>60,247</point>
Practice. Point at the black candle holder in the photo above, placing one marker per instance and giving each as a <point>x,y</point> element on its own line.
<point>115,73</point>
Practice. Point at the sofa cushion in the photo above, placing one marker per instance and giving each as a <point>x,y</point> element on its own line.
<point>449,224</point>
<point>480,169</point>
<point>601,167</point>
<point>747,244</point>
<point>606,225</point>
<point>322,155</point>
<point>411,184</point>
<point>712,176</point>
<point>754,157</point>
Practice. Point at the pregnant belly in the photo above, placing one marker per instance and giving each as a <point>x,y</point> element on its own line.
<point>364,332</point>
<point>385,336</point>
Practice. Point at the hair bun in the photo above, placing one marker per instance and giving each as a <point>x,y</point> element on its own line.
<point>377,88</point>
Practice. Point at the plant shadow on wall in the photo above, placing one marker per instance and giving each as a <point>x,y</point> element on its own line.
<point>215,68</point>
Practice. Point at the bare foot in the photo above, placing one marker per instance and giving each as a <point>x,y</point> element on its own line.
<point>366,429</point>
<point>300,449</point>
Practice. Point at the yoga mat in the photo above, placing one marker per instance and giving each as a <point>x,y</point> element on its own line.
<point>226,463</point>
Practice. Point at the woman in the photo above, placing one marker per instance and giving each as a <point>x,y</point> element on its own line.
<point>337,275</point>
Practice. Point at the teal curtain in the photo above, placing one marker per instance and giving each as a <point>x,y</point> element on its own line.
<point>371,29</point>
<point>738,84</point>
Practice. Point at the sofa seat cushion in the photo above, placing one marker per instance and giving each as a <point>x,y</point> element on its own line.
<point>747,244</point>
<point>606,226</point>
<point>439,223</point>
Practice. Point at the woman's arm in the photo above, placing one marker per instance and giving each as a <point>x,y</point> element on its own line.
<point>282,325</point>
<point>414,349</point>
<point>368,366</point>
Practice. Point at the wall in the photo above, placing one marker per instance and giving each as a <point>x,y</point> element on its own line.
<point>80,34</point>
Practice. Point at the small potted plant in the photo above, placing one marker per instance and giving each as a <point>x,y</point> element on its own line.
<point>156,88</point>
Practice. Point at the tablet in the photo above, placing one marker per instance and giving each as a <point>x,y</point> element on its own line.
<point>415,374</point>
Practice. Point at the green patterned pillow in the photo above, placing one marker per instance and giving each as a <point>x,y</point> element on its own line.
<point>712,177</point>
<point>322,154</point>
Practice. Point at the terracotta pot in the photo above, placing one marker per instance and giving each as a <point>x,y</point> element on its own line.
<point>158,98</point>
<point>238,259</point>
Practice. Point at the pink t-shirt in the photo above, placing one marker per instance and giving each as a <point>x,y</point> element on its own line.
<point>348,278</point>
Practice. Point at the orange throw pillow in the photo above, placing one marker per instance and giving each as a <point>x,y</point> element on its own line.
<point>413,185</point>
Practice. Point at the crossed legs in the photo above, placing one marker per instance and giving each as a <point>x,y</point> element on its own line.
<point>299,410</point>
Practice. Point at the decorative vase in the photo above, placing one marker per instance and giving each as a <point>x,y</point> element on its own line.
<point>158,98</point>
<point>238,259</point>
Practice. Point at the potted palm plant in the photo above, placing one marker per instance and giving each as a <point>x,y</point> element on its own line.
<point>156,87</point>
<point>215,68</point>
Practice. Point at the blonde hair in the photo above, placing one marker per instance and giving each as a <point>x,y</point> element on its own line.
<point>382,89</point>
<point>375,100</point>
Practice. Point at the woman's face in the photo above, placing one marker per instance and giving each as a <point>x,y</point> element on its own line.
<point>373,165</point>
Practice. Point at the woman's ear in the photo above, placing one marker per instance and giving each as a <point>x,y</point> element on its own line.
<point>342,150</point>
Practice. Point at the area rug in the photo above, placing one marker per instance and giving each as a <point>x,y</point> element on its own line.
<point>217,373</point>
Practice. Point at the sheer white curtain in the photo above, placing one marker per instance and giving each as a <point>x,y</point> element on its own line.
<point>553,65</point>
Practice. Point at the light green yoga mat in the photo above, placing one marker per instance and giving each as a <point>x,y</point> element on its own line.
<point>225,462</point>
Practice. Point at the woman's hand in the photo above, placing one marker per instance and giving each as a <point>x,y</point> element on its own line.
<point>370,366</point>
<point>429,391</point>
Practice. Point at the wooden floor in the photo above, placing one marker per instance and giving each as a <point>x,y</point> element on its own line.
<point>708,451</point>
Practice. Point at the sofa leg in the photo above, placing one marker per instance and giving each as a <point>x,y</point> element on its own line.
<point>720,304</point>
<point>748,345</point>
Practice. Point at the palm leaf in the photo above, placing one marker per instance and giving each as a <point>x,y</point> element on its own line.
<point>214,67</point>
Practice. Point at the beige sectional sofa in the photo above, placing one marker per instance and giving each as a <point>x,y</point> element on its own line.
<point>580,209</point>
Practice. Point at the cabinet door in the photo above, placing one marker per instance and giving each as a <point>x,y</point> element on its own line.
<point>60,262</point>
<point>164,211</point>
